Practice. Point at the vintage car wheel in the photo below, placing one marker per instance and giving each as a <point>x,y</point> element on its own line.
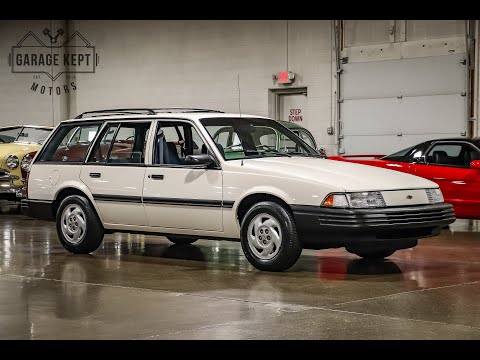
<point>374,254</point>
<point>181,240</point>
<point>269,237</point>
<point>78,226</point>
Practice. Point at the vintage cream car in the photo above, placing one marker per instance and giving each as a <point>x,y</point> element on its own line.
<point>160,171</point>
<point>18,145</point>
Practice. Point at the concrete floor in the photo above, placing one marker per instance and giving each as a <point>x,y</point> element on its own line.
<point>143,287</point>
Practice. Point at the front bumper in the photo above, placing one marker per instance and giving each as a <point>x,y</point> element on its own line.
<point>8,189</point>
<point>343,226</point>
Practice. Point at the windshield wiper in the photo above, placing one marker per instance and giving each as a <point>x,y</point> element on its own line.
<point>282,154</point>
<point>305,154</point>
<point>272,150</point>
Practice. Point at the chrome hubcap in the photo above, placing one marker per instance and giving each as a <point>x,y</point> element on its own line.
<point>264,236</point>
<point>74,224</point>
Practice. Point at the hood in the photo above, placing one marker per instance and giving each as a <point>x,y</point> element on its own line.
<point>344,175</point>
<point>16,148</point>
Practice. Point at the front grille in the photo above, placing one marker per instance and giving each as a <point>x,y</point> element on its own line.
<point>389,217</point>
<point>4,174</point>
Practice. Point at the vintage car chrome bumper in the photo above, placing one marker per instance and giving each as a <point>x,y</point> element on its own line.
<point>319,225</point>
<point>8,190</point>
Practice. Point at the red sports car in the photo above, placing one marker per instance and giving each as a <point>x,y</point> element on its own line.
<point>454,164</point>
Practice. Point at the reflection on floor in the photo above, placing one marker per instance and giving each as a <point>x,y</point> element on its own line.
<point>143,287</point>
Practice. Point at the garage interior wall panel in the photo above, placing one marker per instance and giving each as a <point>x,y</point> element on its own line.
<point>434,29</point>
<point>192,63</point>
<point>18,104</point>
<point>197,64</point>
<point>434,75</point>
<point>391,104</point>
<point>388,124</point>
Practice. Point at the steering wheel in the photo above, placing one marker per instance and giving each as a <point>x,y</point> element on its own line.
<point>266,147</point>
<point>130,137</point>
<point>231,146</point>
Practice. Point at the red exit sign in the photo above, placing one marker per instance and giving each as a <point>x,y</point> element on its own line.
<point>285,77</point>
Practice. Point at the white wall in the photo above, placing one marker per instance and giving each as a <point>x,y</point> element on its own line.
<point>176,63</point>
<point>196,64</point>
<point>18,104</point>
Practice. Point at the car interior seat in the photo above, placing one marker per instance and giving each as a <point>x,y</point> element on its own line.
<point>166,152</point>
<point>474,155</point>
<point>171,155</point>
<point>440,157</point>
<point>219,147</point>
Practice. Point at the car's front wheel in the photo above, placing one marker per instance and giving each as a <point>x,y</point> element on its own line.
<point>269,237</point>
<point>78,227</point>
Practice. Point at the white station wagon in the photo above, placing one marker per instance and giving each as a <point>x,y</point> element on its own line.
<point>160,171</point>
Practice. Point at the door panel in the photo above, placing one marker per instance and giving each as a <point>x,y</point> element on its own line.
<point>447,164</point>
<point>115,170</point>
<point>117,190</point>
<point>183,198</point>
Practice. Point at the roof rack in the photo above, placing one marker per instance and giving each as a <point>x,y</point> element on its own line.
<point>182,109</point>
<point>132,111</point>
<point>147,111</point>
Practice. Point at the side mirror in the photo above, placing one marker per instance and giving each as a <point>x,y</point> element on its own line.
<point>200,159</point>
<point>475,164</point>
<point>321,151</point>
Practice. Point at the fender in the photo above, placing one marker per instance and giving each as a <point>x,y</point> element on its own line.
<point>80,186</point>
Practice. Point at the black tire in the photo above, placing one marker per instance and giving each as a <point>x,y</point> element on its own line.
<point>92,237</point>
<point>181,240</point>
<point>290,246</point>
<point>375,254</point>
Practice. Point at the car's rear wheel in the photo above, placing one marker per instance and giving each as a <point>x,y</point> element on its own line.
<point>374,254</point>
<point>181,240</point>
<point>78,226</point>
<point>269,237</point>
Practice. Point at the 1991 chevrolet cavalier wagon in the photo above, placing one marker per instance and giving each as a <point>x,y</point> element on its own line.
<point>160,171</point>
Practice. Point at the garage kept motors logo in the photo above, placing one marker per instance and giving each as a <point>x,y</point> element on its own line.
<point>74,55</point>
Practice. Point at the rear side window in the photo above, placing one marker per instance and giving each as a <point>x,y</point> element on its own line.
<point>70,143</point>
<point>121,143</point>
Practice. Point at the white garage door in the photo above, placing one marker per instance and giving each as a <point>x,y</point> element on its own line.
<point>392,104</point>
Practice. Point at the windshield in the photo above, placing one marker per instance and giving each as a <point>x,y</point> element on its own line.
<point>33,135</point>
<point>398,155</point>
<point>8,135</point>
<point>239,138</point>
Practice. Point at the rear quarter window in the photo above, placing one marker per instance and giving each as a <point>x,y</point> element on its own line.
<point>70,143</point>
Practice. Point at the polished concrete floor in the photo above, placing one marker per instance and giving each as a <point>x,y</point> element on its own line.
<point>143,287</point>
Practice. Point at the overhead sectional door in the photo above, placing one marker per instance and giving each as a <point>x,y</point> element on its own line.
<point>392,104</point>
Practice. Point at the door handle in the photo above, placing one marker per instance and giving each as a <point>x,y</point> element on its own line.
<point>95,175</point>
<point>156,177</point>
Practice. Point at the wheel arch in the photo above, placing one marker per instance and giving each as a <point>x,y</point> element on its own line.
<point>255,197</point>
<point>74,189</point>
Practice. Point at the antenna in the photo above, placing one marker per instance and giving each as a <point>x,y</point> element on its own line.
<point>238,85</point>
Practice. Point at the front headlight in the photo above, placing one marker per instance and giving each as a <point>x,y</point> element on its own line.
<point>435,196</point>
<point>12,162</point>
<point>26,161</point>
<point>368,199</point>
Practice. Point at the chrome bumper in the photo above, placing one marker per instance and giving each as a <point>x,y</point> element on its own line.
<point>8,189</point>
